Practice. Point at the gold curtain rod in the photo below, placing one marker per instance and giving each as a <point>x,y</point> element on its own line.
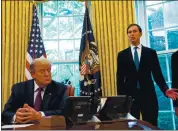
<point>38,1</point>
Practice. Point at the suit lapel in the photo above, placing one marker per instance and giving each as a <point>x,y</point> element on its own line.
<point>30,93</point>
<point>142,57</point>
<point>131,58</point>
<point>47,96</point>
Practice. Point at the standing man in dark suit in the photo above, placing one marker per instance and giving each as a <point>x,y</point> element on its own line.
<point>135,67</point>
<point>33,99</point>
<point>174,65</point>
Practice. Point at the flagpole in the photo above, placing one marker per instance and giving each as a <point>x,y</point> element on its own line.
<point>86,38</point>
<point>34,3</point>
<point>34,6</point>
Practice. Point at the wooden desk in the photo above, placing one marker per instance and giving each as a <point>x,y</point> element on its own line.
<point>109,125</point>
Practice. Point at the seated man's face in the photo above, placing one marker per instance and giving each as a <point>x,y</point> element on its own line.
<point>42,73</point>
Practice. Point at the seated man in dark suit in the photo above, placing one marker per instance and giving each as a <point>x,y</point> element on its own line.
<point>33,99</point>
<point>174,65</point>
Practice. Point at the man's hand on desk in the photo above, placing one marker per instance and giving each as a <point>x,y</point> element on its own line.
<point>20,115</point>
<point>27,114</point>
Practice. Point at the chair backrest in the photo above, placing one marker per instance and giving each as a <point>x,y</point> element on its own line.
<point>70,90</point>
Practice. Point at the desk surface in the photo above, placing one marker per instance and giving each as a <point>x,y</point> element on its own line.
<point>109,125</point>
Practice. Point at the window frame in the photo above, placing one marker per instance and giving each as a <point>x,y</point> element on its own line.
<point>60,62</point>
<point>141,19</point>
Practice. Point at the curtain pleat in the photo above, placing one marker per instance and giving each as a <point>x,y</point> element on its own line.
<point>16,23</point>
<point>110,20</point>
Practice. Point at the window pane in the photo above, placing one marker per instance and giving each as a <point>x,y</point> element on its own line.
<point>155,17</point>
<point>165,120</point>
<point>172,36</point>
<point>50,8</point>
<point>163,65</point>
<point>66,49</point>
<point>78,21</point>
<point>176,121</point>
<point>164,102</point>
<point>75,79</point>
<point>79,8</point>
<point>54,72</point>
<point>152,2</point>
<point>67,73</point>
<point>157,40</point>
<point>50,28</point>
<point>65,8</point>
<point>51,48</point>
<point>77,49</point>
<point>171,13</point>
<point>62,28</point>
<point>169,60</point>
<point>66,28</point>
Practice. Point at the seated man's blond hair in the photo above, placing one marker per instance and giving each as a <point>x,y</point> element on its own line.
<point>38,60</point>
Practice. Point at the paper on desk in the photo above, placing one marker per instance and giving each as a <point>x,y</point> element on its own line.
<point>15,126</point>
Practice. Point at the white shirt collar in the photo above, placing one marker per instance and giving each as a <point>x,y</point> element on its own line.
<point>36,87</point>
<point>139,46</point>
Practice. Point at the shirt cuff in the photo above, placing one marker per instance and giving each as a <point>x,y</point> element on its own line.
<point>42,113</point>
<point>13,119</point>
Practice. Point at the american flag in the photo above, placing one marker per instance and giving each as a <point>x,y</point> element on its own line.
<point>90,79</point>
<point>84,68</point>
<point>35,45</point>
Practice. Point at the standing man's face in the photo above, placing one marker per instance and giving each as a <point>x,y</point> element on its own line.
<point>134,35</point>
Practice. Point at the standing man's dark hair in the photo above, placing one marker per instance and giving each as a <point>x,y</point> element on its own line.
<point>135,67</point>
<point>139,28</point>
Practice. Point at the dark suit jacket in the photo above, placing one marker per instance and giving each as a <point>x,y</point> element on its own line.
<point>127,75</point>
<point>53,103</point>
<point>174,65</point>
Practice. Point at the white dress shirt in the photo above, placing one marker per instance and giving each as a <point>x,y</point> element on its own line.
<point>139,50</point>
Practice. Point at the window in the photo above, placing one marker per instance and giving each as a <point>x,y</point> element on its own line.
<point>159,20</point>
<point>61,24</point>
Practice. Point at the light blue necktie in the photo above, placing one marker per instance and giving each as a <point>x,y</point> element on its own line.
<point>136,61</point>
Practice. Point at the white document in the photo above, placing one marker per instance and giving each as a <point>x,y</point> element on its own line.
<point>15,126</point>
